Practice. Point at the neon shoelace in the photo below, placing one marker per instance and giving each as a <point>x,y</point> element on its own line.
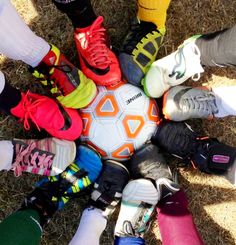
<point>95,40</point>
<point>26,159</point>
<point>28,106</point>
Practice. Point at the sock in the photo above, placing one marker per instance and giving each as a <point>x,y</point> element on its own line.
<point>225,100</point>
<point>22,227</point>
<point>80,12</point>
<point>18,42</point>
<point>2,82</point>
<point>6,153</point>
<point>9,96</point>
<point>176,222</point>
<point>92,224</point>
<point>218,48</point>
<point>153,11</point>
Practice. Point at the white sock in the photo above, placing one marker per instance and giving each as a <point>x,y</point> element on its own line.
<point>18,42</point>
<point>6,154</point>
<point>2,82</point>
<point>91,226</point>
<point>225,100</point>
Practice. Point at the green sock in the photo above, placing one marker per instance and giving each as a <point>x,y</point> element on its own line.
<point>21,228</point>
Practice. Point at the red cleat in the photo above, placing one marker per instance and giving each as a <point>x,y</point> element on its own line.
<point>45,113</point>
<point>68,84</point>
<point>97,61</point>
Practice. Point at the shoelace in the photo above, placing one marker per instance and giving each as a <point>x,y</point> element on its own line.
<point>95,40</point>
<point>137,33</point>
<point>205,103</point>
<point>28,106</point>
<point>27,158</point>
<point>142,222</point>
<point>186,160</point>
<point>52,81</point>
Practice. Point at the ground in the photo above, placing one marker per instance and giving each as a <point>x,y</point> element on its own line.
<point>212,199</point>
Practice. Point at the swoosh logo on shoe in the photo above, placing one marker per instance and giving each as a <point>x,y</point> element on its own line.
<point>66,117</point>
<point>178,96</point>
<point>179,69</point>
<point>72,74</point>
<point>96,70</point>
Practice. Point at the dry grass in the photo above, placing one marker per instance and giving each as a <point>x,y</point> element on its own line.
<point>212,199</point>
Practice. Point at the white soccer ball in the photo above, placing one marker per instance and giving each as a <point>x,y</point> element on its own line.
<point>119,121</point>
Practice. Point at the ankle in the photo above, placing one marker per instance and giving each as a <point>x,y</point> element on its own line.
<point>6,153</point>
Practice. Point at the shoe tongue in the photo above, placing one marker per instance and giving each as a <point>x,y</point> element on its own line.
<point>97,23</point>
<point>102,64</point>
<point>149,26</point>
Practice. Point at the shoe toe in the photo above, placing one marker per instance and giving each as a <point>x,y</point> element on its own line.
<point>131,71</point>
<point>88,159</point>
<point>112,77</point>
<point>72,126</point>
<point>153,83</point>
<point>140,190</point>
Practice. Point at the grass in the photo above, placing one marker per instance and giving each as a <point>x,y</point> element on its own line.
<point>212,199</point>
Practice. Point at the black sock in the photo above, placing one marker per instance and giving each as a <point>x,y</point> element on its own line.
<point>9,98</point>
<point>80,12</point>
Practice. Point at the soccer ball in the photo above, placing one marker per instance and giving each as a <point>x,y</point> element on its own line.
<point>119,120</point>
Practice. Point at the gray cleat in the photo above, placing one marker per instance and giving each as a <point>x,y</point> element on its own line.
<point>181,103</point>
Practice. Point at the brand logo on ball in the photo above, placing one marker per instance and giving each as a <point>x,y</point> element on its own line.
<point>133,98</point>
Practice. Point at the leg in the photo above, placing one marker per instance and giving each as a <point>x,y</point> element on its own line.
<point>6,153</point>
<point>91,226</point>
<point>154,11</point>
<point>176,222</point>
<point>153,183</point>
<point>30,107</point>
<point>97,61</point>
<point>219,48</point>
<point>139,199</point>
<point>214,49</point>
<point>22,227</point>
<point>104,199</point>
<point>80,12</point>
<point>49,156</point>
<point>181,102</point>
<point>17,40</point>
<point>141,45</point>
<point>50,195</point>
<point>203,152</point>
<point>225,101</point>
